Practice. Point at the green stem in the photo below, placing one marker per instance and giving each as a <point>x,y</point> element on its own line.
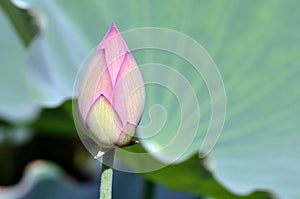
<point>106,184</point>
<point>148,192</point>
<point>107,175</point>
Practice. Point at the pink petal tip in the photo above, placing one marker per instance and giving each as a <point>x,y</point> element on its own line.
<point>112,32</point>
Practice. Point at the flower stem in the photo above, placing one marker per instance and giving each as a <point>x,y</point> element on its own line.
<point>107,175</point>
<point>106,184</point>
<point>148,192</point>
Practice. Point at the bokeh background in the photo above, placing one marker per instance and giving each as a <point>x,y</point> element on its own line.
<point>256,46</point>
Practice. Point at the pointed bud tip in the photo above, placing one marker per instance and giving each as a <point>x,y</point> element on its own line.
<point>112,31</point>
<point>113,25</point>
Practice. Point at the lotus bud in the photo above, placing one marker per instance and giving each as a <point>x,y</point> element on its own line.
<point>112,94</point>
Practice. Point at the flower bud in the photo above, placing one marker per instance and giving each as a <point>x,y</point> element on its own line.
<point>112,94</point>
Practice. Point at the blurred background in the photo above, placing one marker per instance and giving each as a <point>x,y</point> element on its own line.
<point>256,46</point>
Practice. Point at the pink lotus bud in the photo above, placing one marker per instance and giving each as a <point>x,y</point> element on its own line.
<point>112,94</point>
